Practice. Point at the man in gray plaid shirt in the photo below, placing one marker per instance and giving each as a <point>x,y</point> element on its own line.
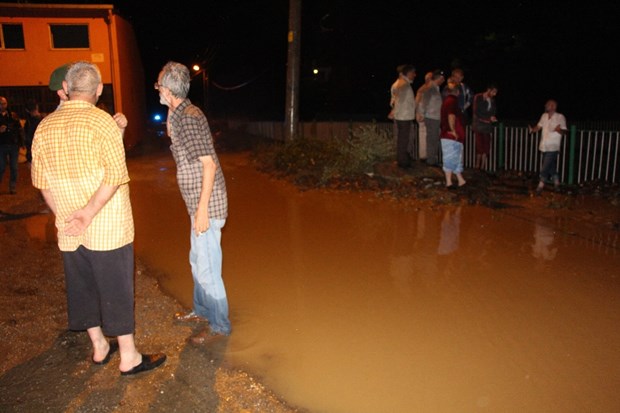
<point>203,188</point>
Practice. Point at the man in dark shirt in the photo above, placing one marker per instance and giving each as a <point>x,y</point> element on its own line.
<point>484,111</point>
<point>203,189</point>
<point>466,95</point>
<point>33,118</point>
<point>11,139</point>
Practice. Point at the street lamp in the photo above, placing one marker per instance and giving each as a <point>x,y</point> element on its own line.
<point>198,70</point>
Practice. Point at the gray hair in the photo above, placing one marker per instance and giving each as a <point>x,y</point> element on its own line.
<point>175,76</point>
<point>83,78</point>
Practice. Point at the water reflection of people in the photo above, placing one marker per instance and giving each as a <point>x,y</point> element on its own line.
<point>401,254</point>
<point>543,241</point>
<point>450,232</point>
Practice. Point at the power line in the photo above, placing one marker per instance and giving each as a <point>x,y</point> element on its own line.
<point>239,86</point>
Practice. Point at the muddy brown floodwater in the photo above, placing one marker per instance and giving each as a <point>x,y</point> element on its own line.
<point>44,367</point>
<point>343,302</point>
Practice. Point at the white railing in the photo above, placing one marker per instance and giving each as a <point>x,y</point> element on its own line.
<point>585,155</point>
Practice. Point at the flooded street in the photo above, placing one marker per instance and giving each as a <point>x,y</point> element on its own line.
<point>347,303</point>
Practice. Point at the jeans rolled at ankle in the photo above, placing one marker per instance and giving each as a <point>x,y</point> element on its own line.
<point>205,258</point>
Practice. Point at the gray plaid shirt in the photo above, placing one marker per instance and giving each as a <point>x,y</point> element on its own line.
<point>191,138</point>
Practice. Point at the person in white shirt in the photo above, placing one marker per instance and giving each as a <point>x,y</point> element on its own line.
<point>553,126</point>
<point>403,112</point>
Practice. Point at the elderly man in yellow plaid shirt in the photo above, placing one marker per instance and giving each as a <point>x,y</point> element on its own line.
<point>79,166</point>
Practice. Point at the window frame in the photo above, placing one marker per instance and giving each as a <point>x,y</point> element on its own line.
<point>3,40</point>
<point>51,34</point>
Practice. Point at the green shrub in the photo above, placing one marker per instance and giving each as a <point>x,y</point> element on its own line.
<point>327,160</point>
<point>367,146</point>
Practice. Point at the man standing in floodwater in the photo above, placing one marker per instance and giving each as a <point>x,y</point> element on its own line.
<point>203,188</point>
<point>553,126</point>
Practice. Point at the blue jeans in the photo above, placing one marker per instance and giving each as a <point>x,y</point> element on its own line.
<point>548,171</point>
<point>452,156</point>
<point>11,152</point>
<point>205,258</point>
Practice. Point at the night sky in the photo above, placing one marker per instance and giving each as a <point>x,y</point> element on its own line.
<point>532,50</point>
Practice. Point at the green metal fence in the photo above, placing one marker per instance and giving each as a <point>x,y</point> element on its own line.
<point>585,155</point>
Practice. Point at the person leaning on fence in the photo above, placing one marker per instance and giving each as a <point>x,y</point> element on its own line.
<point>403,112</point>
<point>553,126</point>
<point>484,113</point>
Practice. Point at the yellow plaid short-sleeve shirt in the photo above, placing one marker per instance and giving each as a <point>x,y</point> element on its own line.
<point>75,150</point>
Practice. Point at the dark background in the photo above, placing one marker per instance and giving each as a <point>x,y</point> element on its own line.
<point>532,50</point>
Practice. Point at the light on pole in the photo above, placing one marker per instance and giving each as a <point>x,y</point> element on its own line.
<point>205,81</point>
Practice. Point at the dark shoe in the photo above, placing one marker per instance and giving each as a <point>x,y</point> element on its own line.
<point>189,317</point>
<point>113,349</point>
<point>149,362</point>
<point>451,187</point>
<point>204,337</point>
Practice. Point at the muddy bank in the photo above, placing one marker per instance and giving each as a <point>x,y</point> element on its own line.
<point>44,367</point>
<point>316,164</point>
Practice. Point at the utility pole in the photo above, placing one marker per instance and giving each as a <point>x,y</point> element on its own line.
<point>291,120</point>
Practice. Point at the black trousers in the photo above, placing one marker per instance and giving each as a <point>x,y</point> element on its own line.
<point>100,289</point>
<point>403,132</point>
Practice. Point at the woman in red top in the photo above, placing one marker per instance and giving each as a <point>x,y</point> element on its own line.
<point>452,136</point>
